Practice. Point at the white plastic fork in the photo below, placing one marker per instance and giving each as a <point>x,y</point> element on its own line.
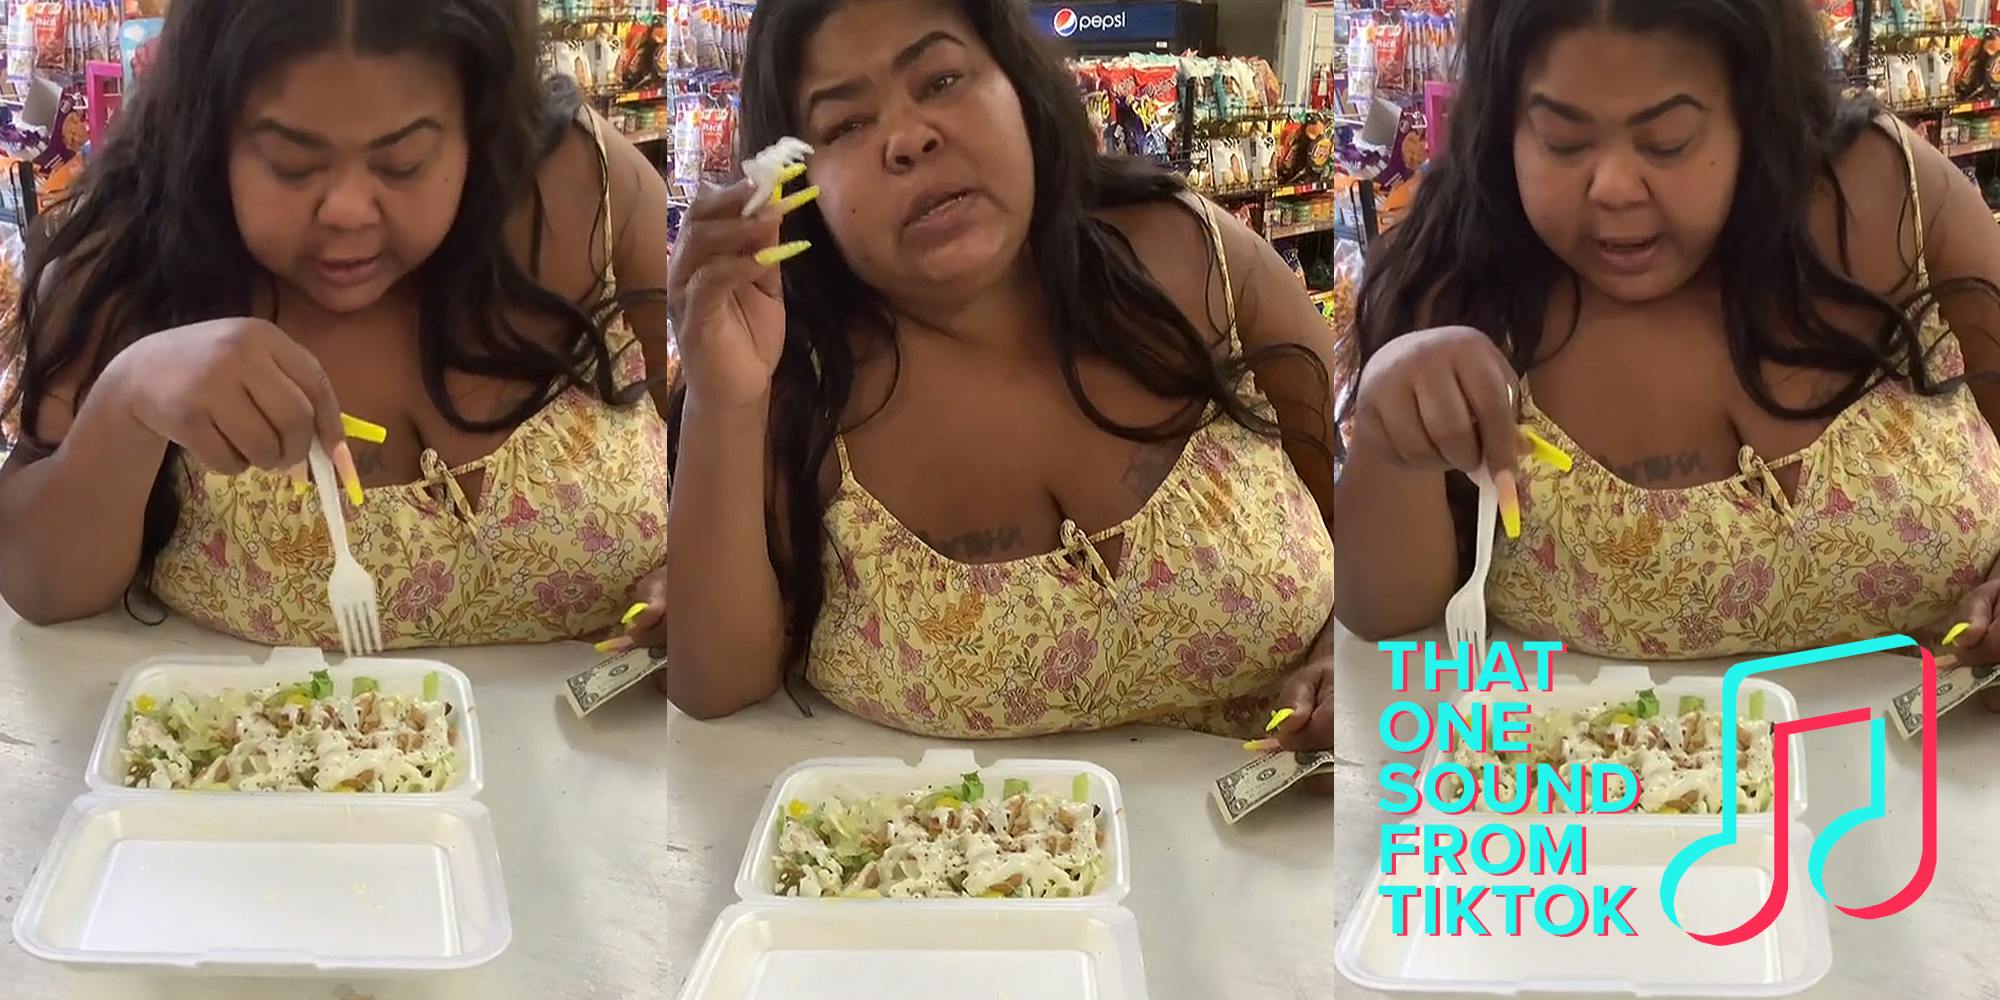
<point>349,589</point>
<point>766,169</point>
<point>1465,616</point>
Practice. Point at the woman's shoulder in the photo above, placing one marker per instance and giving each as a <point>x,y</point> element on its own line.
<point>1884,205</point>
<point>588,172</point>
<point>1173,241</point>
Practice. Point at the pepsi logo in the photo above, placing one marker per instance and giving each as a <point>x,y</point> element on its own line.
<point>1065,23</point>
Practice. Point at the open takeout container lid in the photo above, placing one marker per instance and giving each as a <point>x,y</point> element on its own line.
<point>815,780</point>
<point>168,675</point>
<point>1721,892</point>
<point>274,883</point>
<point>765,951</point>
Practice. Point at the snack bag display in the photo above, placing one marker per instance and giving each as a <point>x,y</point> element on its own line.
<point>61,161</point>
<point>1391,58</point>
<point>1226,164</point>
<point>1272,91</point>
<point>138,45</point>
<point>1156,103</point>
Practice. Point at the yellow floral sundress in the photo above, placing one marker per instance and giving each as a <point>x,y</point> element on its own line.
<point>1225,578</point>
<point>1892,523</point>
<point>573,513</point>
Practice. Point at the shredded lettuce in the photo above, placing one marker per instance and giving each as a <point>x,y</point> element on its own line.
<point>942,842</point>
<point>431,681</point>
<point>1691,704</point>
<point>1648,705</point>
<point>972,790</point>
<point>363,685</point>
<point>290,737</point>
<point>1756,706</point>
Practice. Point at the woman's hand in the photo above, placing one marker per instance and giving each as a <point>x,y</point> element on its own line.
<point>1439,399</point>
<point>1978,642</point>
<point>724,298</point>
<point>234,393</point>
<point>646,621</point>
<point>1309,694</point>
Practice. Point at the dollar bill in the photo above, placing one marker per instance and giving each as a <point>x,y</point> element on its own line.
<point>1241,791</point>
<point>607,678</point>
<point>1954,686</point>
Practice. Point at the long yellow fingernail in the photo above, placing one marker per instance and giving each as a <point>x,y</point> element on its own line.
<point>343,462</point>
<point>1956,631</point>
<point>793,202</point>
<point>1547,453</point>
<point>791,173</point>
<point>633,612</point>
<point>1510,502</point>
<point>1278,719</point>
<point>770,256</point>
<point>617,645</point>
<point>362,430</point>
<point>1261,746</point>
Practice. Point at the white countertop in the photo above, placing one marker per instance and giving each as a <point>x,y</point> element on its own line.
<point>620,834</point>
<point>1944,947</point>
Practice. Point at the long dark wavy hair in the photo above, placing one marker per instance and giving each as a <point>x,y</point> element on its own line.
<point>1102,303</point>
<point>150,241</point>
<point>1466,254</point>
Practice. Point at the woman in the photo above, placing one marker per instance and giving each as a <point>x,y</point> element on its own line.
<point>1746,309</point>
<point>995,458</point>
<point>369,206</point>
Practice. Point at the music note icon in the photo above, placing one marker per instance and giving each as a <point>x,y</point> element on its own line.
<point>1877,806</point>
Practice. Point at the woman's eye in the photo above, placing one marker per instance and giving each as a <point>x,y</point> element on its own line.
<point>1665,152</point>
<point>945,81</point>
<point>846,127</point>
<point>293,176</point>
<point>1564,149</point>
<point>400,173</point>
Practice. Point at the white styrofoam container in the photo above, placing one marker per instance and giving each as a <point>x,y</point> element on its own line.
<point>272,883</point>
<point>774,947</point>
<point>268,884</point>
<point>1622,683</point>
<point>765,951</point>
<point>813,780</point>
<point>165,676</point>
<point>1722,891</point>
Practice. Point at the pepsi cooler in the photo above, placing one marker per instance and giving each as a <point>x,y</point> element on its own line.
<point>1170,27</point>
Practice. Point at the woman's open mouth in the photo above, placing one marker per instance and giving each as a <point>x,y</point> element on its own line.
<point>1629,255</point>
<point>348,271</point>
<point>939,214</point>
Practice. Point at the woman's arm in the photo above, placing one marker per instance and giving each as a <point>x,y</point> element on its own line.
<point>1408,545</point>
<point>72,506</point>
<point>72,516</point>
<point>1273,309</point>
<point>1961,241</point>
<point>725,624</point>
<point>726,620</point>
<point>639,256</point>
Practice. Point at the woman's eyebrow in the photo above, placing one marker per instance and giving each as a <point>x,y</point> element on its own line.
<point>849,88</point>
<point>313,140</point>
<point>1571,112</point>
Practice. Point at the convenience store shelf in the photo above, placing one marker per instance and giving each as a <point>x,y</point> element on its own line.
<point>1972,148</point>
<point>1301,229</point>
